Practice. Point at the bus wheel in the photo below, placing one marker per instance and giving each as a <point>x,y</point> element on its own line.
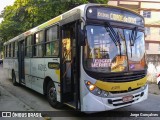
<point>14,79</point>
<point>52,95</point>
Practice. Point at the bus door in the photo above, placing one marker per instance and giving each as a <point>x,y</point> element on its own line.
<point>69,62</point>
<point>21,54</point>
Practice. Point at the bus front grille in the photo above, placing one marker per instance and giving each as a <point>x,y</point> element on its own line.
<point>123,77</point>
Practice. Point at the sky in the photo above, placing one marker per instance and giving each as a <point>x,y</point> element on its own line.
<point>4,3</point>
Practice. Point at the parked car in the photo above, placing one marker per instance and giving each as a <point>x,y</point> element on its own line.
<point>1,61</point>
<point>158,80</point>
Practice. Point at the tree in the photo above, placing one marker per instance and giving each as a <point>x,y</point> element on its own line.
<point>26,14</point>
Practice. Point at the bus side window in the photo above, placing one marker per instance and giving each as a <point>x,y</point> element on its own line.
<point>10,50</point>
<point>13,49</point>
<point>6,51</point>
<point>16,49</point>
<point>28,46</point>
<point>52,41</point>
<point>37,46</point>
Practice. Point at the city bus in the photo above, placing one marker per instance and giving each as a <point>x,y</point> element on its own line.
<point>91,58</point>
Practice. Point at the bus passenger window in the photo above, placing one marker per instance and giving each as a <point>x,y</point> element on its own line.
<point>16,49</point>
<point>38,39</point>
<point>52,43</point>
<point>9,50</point>
<point>56,48</point>
<point>28,46</point>
<point>13,50</point>
<point>6,50</point>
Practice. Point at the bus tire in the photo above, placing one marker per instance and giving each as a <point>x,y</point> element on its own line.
<point>14,79</point>
<point>52,95</point>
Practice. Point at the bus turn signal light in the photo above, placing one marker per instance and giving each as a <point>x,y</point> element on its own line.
<point>88,83</point>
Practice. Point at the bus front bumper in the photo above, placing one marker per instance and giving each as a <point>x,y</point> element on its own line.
<point>92,103</point>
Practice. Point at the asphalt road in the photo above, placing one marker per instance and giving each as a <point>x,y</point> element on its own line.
<point>37,102</point>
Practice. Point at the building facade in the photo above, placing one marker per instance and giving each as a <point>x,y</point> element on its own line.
<point>150,10</point>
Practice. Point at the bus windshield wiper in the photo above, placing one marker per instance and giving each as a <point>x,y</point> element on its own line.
<point>131,44</point>
<point>115,36</point>
<point>133,36</point>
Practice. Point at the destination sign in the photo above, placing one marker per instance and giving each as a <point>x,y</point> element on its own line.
<point>114,14</point>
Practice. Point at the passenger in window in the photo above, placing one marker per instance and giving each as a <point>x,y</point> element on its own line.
<point>66,48</point>
<point>55,49</point>
<point>97,53</point>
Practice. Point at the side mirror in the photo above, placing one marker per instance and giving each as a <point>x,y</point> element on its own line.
<point>81,37</point>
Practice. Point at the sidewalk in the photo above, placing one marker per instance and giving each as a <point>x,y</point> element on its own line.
<point>8,102</point>
<point>153,89</point>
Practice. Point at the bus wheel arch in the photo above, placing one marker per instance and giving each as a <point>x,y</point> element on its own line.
<point>14,78</point>
<point>46,81</point>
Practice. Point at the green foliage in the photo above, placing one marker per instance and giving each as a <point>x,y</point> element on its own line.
<point>26,14</point>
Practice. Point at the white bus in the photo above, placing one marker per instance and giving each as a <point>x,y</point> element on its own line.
<point>91,58</point>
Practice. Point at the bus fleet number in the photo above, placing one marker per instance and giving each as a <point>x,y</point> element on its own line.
<point>42,67</point>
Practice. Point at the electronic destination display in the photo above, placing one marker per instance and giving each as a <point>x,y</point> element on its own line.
<point>114,14</point>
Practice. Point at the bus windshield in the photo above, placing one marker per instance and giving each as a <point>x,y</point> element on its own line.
<point>135,50</point>
<point>103,54</point>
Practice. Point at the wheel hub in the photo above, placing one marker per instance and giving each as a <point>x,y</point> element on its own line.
<point>52,94</point>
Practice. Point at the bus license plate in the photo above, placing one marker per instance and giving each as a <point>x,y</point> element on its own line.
<point>127,98</point>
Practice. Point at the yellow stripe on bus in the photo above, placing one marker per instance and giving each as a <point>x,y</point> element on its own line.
<point>56,19</point>
<point>111,86</point>
<point>58,74</point>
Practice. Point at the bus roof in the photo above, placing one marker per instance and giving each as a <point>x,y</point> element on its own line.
<point>79,9</point>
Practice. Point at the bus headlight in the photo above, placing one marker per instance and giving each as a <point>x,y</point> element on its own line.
<point>95,90</point>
